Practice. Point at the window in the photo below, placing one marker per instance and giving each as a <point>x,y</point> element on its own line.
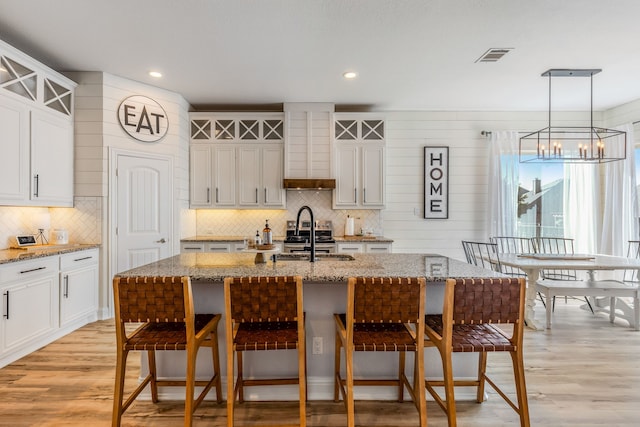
<point>540,200</point>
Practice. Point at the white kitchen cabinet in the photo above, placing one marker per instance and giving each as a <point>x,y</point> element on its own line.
<point>44,299</point>
<point>212,176</point>
<point>378,248</point>
<point>350,248</point>
<point>200,176</point>
<point>51,159</point>
<point>29,292</point>
<point>218,247</point>
<point>360,164</point>
<point>191,247</point>
<point>237,160</point>
<point>14,151</point>
<point>78,287</point>
<point>361,247</point>
<point>260,175</point>
<point>36,129</point>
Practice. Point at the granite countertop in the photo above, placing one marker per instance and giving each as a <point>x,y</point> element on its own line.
<point>214,267</point>
<point>363,239</point>
<point>225,239</point>
<point>32,252</point>
<point>240,239</point>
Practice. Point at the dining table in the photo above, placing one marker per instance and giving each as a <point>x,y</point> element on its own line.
<point>533,264</point>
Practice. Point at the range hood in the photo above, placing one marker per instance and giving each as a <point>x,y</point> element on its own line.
<point>309,184</point>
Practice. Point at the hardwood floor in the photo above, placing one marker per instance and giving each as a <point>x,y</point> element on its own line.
<point>583,372</point>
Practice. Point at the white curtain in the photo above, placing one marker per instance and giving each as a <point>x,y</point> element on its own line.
<point>580,206</point>
<point>503,183</point>
<point>620,208</point>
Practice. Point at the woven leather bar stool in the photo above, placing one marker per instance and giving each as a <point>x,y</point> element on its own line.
<point>263,313</point>
<point>383,314</point>
<point>164,307</point>
<point>471,307</point>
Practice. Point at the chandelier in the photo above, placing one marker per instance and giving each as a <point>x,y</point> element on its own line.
<point>556,144</point>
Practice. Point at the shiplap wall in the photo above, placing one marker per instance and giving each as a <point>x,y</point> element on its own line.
<point>97,132</point>
<point>407,134</point>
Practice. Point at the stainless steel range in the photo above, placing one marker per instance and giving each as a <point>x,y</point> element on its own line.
<point>300,243</point>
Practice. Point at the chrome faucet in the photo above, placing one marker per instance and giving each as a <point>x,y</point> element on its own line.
<point>312,257</point>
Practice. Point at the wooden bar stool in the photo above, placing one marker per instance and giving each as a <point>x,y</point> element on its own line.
<point>164,307</point>
<point>263,313</point>
<point>471,307</point>
<point>383,314</point>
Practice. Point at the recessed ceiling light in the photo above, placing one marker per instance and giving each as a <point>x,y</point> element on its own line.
<point>350,75</point>
<point>156,74</point>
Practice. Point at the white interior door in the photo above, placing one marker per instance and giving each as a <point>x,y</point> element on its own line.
<point>144,210</point>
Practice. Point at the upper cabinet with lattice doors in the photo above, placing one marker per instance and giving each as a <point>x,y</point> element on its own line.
<point>359,147</point>
<point>237,127</point>
<point>236,160</point>
<point>23,78</point>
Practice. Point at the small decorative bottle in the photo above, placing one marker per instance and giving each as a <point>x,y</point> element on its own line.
<point>267,238</point>
<point>257,239</point>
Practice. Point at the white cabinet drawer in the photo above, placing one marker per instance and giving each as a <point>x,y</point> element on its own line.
<point>350,248</point>
<point>78,259</point>
<point>218,247</point>
<point>191,247</point>
<point>28,269</point>
<point>378,248</point>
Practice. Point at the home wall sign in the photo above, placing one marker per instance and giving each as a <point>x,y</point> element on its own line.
<point>436,182</point>
<point>143,118</point>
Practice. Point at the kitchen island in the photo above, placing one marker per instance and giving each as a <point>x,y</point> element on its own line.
<point>324,294</point>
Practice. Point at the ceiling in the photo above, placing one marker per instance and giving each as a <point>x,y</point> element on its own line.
<point>409,54</point>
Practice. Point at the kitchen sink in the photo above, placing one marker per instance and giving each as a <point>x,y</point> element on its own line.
<point>319,257</point>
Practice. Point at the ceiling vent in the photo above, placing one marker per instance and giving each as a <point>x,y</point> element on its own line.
<point>494,54</point>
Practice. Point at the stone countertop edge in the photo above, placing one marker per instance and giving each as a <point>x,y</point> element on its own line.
<point>236,239</point>
<point>15,255</point>
<point>214,267</point>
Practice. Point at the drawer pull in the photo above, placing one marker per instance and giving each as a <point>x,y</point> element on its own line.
<point>32,270</point>
<point>82,259</point>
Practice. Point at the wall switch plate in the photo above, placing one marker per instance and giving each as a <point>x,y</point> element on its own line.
<point>317,345</point>
<point>416,211</point>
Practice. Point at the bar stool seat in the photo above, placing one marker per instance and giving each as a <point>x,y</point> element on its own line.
<point>163,306</point>
<point>383,314</point>
<point>263,313</point>
<point>470,311</point>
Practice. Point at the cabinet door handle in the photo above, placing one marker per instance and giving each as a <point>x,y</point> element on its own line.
<point>36,185</point>
<point>217,199</point>
<point>355,195</point>
<point>163,240</point>
<point>66,286</point>
<point>32,270</point>
<point>265,194</point>
<point>256,195</point>
<point>6,316</point>
<point>208,195</point>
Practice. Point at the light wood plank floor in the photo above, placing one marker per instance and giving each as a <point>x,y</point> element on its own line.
<point>584,372</point>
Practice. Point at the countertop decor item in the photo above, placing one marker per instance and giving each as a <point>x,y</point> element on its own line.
<point>587,144</point>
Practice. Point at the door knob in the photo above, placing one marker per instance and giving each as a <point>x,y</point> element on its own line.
<point>163,240</point>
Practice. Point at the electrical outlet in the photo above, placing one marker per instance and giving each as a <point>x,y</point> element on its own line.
<point>416,211</point>
<point>317,345</point>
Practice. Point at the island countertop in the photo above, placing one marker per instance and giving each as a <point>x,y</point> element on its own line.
<point>325,293</point>
<point>214,267</point>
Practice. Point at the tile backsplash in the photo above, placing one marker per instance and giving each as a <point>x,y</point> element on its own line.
<point>238,222</point>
